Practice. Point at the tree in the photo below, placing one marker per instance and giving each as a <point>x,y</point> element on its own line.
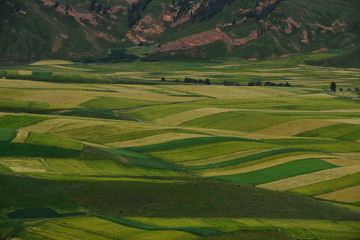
<point>163,79</point>
<point>207,82</point>
<point>67,8</point>
<point>333,86</point>
<point>92,5</point>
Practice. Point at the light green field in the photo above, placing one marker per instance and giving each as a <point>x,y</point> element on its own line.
<point>18,121</point>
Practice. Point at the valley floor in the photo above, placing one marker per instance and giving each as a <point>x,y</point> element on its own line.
<point>141,158</point>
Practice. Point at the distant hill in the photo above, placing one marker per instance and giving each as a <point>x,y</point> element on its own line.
<point>178,29</point>
<point>350,59</point>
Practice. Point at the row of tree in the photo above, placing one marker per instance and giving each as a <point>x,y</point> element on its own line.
<point>333,88</point>
<point>195,81</point>
<point>257,83</point>
<point>230,83</point>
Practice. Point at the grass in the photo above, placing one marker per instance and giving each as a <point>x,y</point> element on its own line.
<point>239,121</point>
<point>19,105</point>
<point>8,149</point>
<point>106,227</point>
<point>5,169</point>
<point>141,134</point>
<point>18,121</point>
<point>203,152</point>
<point>106,168</point>
<point>347,195</point>
<point>154,112</point>
<point>278,172</point>
<point>310,178</point>
<point>328,186</point>
<point>193,199</point>
<point>200,231</point>
<point>141,159</point>
<point>117,103</point>
<point>188,143</point>
<point>252,235</point>
<point>347,132</point>
<point>325,145</point>
<point>7,134</point>
<point>39,212</point>
<point>51,62</point>
<point>49,140</point>
<point>95,228</point>
<point>249,158</point>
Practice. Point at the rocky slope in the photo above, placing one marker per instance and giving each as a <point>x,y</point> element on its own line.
<point>205,29</point>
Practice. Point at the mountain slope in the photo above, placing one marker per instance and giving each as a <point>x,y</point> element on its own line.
<point>83,30</point>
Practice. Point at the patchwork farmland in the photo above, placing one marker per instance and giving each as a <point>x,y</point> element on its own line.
<point>91,151</point>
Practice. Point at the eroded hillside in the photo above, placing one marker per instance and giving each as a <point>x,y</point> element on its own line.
<point>88,29</point>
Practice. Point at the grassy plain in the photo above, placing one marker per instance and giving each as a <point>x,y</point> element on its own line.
<point>150,159</point>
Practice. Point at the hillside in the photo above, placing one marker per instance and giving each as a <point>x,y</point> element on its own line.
<point>201,29</point>
<point>350,58</point>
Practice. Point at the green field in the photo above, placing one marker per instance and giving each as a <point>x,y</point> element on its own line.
<point>249,158</point>
<point>194,230</point>
<point>7,134</point>
<point>48,140</point>
<point>18,121</point>
<point>145,159</point>
<point>34,150</point>
<point>347,132</point>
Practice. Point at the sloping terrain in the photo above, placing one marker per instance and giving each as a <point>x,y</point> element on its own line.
<point>202,29</point>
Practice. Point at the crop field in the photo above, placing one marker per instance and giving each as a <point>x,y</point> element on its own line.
<point>280,171</point>
<point>311,178</point>
<point>41,139</point>
<point>7,134</point>
<point>348,195</point>
<point>143,159</point>
<point>348,132</point>
<point>329,185</point>
<point>117,103</point>
<point>18,121</point>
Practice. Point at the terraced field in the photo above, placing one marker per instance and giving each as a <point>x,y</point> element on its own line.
<point>147,159</point>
